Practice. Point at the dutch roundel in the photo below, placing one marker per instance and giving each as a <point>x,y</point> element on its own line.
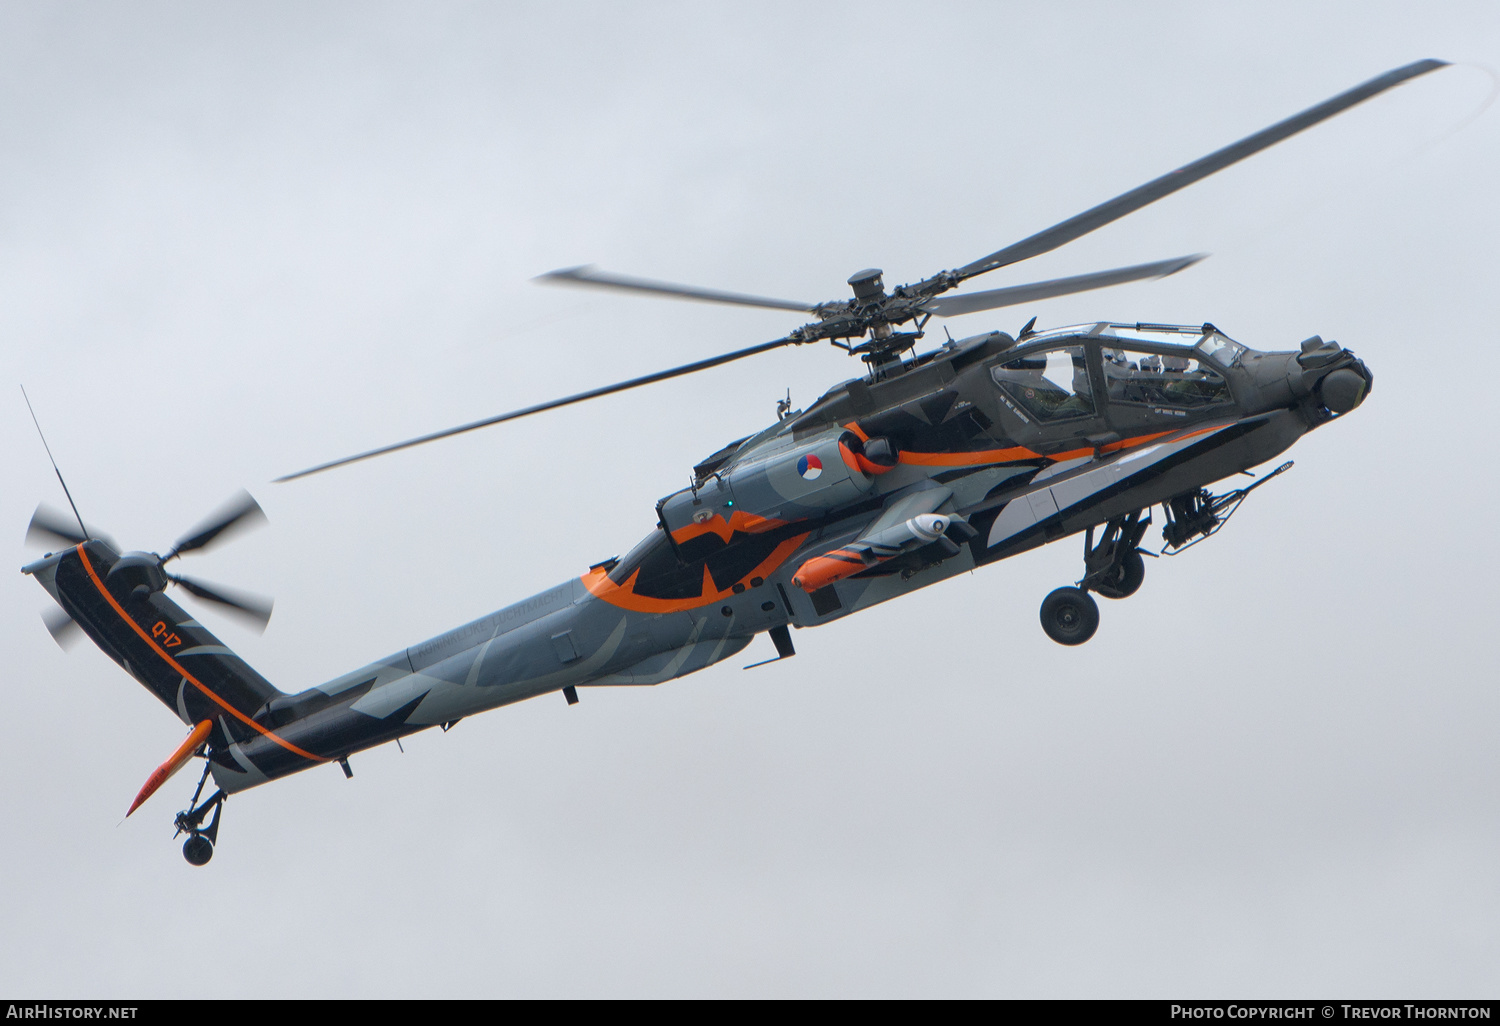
<point>809,467</point>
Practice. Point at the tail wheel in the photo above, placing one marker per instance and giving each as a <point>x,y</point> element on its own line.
<point>1124,578</point>
<point>1070,616</point>
<point>198,850</point>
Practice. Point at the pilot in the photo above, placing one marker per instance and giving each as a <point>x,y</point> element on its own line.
<point>1118,369</point>
<point>1194,386</point>
<point>1027,380</point>
<point>1064,403</point>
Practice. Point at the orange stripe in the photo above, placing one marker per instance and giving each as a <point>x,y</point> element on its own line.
<point>870,468</point>
<point>968,459</point>
<point>178,667</point>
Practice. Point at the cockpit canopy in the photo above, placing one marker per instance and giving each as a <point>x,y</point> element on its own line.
<point>1149,364</point>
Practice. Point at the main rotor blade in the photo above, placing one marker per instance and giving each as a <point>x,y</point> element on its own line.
<point>51,525</point>
<point>239,512</point>
<point>592,278</point>
<point>1135,199</point>
<point>952,306</point>
<point>687,368</point>
<point>254,609</point>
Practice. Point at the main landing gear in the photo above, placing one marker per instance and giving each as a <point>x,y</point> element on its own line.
<point>199,847</point>
<point>1114,568</point>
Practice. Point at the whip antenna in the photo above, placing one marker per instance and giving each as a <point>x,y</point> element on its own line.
<point>60,480</point>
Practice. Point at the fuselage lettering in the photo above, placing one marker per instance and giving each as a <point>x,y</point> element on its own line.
<point>165,635</point>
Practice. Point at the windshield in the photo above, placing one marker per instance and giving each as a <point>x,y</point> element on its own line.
<point>1162,379</point>
<point>1051,385</point>
<point>1224,350</point>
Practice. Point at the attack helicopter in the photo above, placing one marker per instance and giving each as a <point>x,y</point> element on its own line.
<point>928,465</point>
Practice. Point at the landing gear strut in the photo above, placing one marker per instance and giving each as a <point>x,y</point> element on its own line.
<point>199,847</point>
<point>1114,568</point>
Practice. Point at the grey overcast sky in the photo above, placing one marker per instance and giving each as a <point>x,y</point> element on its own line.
<point>238,239</point>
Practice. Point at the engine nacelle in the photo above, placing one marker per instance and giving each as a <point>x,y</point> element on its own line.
<point>792,482</point>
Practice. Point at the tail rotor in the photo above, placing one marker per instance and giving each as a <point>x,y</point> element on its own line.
<point>250,609</point>
<point>63,628</point>
<point>49,526</point>
<point>238,513</point>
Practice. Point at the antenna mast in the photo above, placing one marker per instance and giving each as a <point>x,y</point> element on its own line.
<point>60,480</point>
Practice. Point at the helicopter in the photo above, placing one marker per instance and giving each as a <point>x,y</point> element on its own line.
<point>928,465</point>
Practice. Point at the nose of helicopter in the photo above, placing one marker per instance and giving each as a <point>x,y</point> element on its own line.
<point>1321,376</point>
<point>1331,374</point>
<point>1345,388</point>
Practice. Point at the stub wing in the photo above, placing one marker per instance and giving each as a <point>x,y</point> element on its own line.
<point>1090,481</point>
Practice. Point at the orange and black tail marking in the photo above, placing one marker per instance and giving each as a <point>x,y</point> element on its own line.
<point>157,642</point>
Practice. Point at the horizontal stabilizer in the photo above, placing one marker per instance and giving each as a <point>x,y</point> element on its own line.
<point>177,760</point>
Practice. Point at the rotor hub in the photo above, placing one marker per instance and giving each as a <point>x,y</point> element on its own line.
<point>134,570</point>
<point>868,286</point>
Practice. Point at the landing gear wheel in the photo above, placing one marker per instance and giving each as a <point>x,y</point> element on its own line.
<point>1070,616</point>
<point>198,850</point>
<point>1124,578</point>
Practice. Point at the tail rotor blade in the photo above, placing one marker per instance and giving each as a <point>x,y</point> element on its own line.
<point>48,525</point>
<point>63,628</point>
<point>238,513</point>
<point>252,609</point>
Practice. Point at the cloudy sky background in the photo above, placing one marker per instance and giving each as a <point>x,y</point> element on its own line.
<point>241,240</point>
